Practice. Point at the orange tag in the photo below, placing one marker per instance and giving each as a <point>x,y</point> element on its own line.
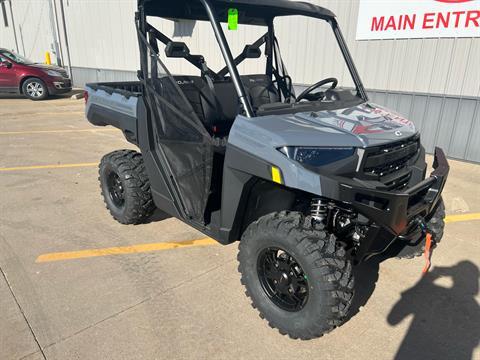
<point>428,253</point>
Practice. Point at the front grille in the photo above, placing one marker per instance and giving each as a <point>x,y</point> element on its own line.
<point>398,183</point>
<point>389,163</point>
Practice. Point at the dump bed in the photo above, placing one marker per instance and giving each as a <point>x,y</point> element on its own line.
<point>115,104</point>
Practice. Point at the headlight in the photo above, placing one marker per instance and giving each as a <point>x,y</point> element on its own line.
<point>53,73</point>
<point>316,156</point>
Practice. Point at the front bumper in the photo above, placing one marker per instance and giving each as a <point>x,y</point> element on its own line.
<point>60,86</point>
<point>395,210</point>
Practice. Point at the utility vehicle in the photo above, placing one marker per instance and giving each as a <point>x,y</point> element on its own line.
<point>310,184</point>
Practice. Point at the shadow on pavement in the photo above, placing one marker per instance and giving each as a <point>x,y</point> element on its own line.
<point>158,215</point>
<point>446,321</point>
<point>366,277</point>
<point>51,97</point>
<point>21,97</point>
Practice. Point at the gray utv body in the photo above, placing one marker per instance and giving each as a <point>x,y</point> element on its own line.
<point>219,180</point>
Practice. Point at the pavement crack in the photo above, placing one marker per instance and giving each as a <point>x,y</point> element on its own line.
<point>195,277</point>
<point>23,313</point>
<point>28,355</point>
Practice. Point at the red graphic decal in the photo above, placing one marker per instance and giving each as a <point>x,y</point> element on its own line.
<point>453,1</point>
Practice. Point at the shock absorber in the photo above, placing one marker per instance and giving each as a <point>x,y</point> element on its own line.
<point>319,209</point>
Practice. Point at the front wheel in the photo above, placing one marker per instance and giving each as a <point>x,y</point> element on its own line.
<point>35,89</point>
<point>296,274</point>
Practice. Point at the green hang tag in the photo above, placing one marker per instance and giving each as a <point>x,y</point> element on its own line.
<point>232,19</point>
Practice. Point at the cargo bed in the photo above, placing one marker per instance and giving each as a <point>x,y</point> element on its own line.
<point>115,104</point>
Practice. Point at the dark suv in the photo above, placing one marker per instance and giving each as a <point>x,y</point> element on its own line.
<point>19,75</point>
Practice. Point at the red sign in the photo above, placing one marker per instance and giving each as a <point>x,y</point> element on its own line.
<point>418,19</point>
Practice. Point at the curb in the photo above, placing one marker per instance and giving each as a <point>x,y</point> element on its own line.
<point>77,96</point>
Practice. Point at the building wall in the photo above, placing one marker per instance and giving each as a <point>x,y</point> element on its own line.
<point>6,33</point>
<point>32,23</point>
<point>436,82</point>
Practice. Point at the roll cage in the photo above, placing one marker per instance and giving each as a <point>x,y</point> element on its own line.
<point>252,12</point>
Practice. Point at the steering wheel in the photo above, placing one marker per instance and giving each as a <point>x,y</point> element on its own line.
<point>306,94</point>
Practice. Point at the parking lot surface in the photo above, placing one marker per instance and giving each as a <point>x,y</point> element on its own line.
<point>75,284</point>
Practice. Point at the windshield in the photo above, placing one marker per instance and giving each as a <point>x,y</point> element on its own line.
<point>317,68</point>
<point>19,59</point>
<point>310,67</point>
<point>311,53</point>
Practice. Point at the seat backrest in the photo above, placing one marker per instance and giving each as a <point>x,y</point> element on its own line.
<point>217,111</point>
<point>261,89</point>
<point>227,102</point>
<point>200,97</point>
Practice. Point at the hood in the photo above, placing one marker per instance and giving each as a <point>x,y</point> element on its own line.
<point>372,124</point>
<point>362,125</point>
<point>51,67</point>
<point>47,67</point>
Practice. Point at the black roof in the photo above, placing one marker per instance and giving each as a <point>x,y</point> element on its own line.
<point>254,12</point>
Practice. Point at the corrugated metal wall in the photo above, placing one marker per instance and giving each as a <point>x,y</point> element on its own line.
<point>436,82</point>
<point>32,25</point>
<point>6,32</point>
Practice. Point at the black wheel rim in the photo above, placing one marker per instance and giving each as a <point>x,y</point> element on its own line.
<point>115,189</point>
<point>282,279</point>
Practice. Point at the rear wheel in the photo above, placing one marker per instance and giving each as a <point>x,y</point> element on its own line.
<point>296,274</point>
<point>35,89</point>
<point>125,186</point>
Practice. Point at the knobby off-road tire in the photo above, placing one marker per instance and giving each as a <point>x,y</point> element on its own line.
<point>436,225</point>
<point>125,186</point>
<point>327,271</point>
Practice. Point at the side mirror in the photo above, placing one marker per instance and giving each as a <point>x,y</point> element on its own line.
<point>197,58</point>
<point>6,64</point>
<point>176,49</point>
<point>251,52</point>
